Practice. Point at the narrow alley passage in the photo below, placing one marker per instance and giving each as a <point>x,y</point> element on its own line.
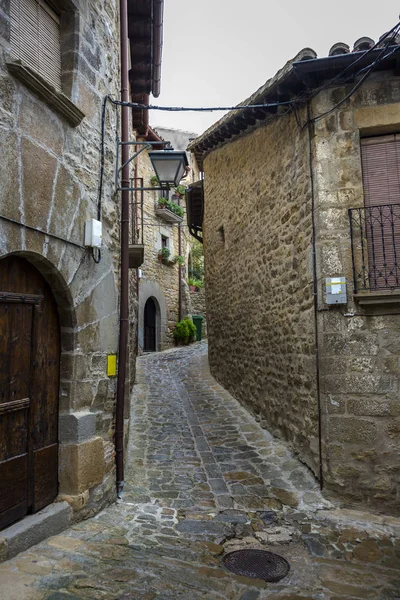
<point>204,478</point>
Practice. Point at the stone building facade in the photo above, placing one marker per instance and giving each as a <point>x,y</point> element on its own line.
<point>50,144</point>
<point>278,186</point>
<point>159,281</point>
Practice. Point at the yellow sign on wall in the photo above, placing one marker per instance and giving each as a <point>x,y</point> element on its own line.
<point>111,365</point>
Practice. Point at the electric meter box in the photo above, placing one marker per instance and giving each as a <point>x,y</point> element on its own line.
<point>93,233</point>
<point>336,292</point>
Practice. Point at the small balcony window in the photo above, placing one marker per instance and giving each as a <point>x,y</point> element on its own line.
<point>375,227</point>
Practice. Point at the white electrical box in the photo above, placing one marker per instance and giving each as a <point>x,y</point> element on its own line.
<point>140,273</point>
<point>336,292</point>
<point>93,233</point>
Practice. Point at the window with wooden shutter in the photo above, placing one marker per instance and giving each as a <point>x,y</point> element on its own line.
<point>35,38</point>
<point>381,179</point>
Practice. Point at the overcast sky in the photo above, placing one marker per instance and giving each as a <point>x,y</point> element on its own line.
<point>218,52</point>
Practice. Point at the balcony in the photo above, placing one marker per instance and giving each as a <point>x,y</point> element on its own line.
<point>169,211</point>
<point>136,220</point>
<point>375,249</point>
<point>195,209</point>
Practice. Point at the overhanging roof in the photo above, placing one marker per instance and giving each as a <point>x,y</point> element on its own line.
<point>303,74</point>
<point>145,31</point>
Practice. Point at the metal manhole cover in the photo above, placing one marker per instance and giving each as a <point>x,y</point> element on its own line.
<point>257,563</point>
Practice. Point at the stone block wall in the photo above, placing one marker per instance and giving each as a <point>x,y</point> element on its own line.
<point>259,290</point>
<point>359,350</point>
<point>49,181</point>
<point>198,307</point>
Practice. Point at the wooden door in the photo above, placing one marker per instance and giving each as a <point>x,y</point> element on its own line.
<point>29,387</point>
<point>150,326</point>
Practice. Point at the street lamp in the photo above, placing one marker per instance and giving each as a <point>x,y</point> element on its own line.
<point>169,166</point>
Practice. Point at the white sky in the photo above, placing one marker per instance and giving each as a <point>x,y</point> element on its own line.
<point>218,52</point>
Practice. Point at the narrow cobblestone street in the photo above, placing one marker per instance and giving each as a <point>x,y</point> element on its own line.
<point>204,478</point>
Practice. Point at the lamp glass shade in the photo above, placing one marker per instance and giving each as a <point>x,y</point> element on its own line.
<point>169,166</point>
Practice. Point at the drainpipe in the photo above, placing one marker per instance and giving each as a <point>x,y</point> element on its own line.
<point>138,240</point>
<point>124,291</point>
<point>157,46</point>
<point>315,293</point>
<point>180,272</point>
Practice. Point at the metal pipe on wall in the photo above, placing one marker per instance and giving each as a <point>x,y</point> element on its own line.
<point>124,291</point>
<point>180,273</point>
<point>315,293</point>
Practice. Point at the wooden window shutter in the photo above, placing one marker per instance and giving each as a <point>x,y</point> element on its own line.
<point>35,38</point>
<point>381,178</point>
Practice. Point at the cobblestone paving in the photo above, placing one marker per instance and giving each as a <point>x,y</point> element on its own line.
<point>202,479</point>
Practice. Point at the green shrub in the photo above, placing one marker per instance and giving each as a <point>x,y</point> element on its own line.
<point>182,332</point>
<point>154,181</point>
<point>192,329</point>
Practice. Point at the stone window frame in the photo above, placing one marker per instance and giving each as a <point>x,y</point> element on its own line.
<point>69,37</point>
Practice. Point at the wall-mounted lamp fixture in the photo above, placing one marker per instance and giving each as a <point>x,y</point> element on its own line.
<point>169,166</point>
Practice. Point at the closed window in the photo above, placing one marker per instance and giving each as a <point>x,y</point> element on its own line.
<point>35,38</point>
<point>381,178</point>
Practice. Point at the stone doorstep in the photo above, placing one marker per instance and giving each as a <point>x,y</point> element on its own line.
<point>378,525</point>
<point>33,529</point>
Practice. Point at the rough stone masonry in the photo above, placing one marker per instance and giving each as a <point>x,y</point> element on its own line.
<point>259,288</point>
<point>49,181</point>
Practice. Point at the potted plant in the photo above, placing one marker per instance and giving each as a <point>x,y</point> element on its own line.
<point>180,190</point>
<point>192,284</point>
<point>163,254</point>
<point>163,203</point>
<point>154,181</point>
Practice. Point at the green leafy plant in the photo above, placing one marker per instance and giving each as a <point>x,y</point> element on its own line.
<point>172,206</point>
<point>163,202</point>
<point>154,181</point>
<point>192,329</point>
<point>196,263</point>
<point>179,259</point>
<point>180,189</point>
<point>175,208</point>
<point>181,332</point>
<point>197,283</point>
<point>164,253</point>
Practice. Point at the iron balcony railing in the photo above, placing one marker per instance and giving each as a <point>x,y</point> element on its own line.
<point>375,247</point>
<point>136,212</point>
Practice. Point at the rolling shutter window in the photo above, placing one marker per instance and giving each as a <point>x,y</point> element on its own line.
<point>381,178</point>
<point>35,38</point>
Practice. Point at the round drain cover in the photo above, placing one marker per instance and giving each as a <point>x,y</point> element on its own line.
<point>257,563</point>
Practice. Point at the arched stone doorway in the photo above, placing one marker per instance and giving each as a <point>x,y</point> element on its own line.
<point>150,326</point>
<point>151,290</point>
<point>29,390</point>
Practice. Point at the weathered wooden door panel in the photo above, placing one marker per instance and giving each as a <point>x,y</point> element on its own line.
<point>45,480</point>
<point>44,388</point>
<point>29,382</point>
<point>15,355</point>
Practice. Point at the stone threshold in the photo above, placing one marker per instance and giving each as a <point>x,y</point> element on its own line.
<point>33,529</point>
